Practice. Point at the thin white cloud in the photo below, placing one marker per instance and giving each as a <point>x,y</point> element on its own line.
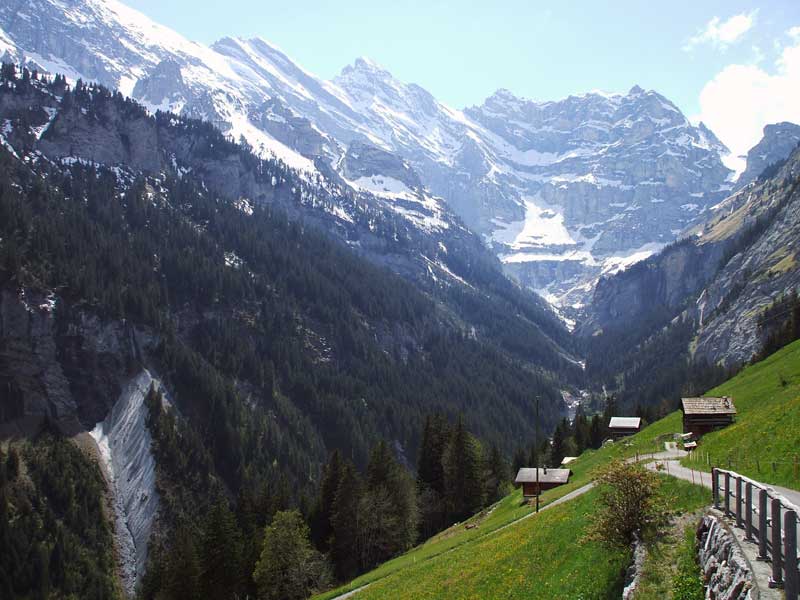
<point>721,33</point>
<point>741,99</point>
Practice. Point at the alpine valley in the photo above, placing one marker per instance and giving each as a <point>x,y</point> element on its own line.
<point>240,289</point>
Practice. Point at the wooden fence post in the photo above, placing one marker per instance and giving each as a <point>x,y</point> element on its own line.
<point>748,515</point>
<point>739,501</point>
<point>727,493</point>
<point>777,572</point>
<point>715,487</point>
<point>762,524</point>
<point>790,555</point>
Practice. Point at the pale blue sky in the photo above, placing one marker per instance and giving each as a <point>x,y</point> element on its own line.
<point>463,51</point>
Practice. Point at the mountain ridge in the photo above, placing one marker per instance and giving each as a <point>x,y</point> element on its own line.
<point>499,183</point>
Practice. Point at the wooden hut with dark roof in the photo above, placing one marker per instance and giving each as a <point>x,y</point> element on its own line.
<point>547,479</point>
<point>702,415</point>
<point>620,427</point>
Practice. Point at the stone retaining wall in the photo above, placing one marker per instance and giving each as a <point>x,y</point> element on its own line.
<point>727,571</point>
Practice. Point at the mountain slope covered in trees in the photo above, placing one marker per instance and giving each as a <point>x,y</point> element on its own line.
<point>276,339</point>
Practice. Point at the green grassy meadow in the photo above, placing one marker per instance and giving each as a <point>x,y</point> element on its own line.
<point>764,443</point>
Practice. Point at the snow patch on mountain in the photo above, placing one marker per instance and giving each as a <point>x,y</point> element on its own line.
<point>595,160</point>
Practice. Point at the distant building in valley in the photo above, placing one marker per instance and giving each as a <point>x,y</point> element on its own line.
<point>701,415</point>
<point>620,427</point>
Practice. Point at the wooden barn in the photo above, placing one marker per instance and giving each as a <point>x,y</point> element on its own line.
<point>701,415</point>
<point>548,479</point>
<point>620,427</point>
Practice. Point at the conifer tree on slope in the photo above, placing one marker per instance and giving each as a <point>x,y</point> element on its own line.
<point>289,567</point>
<point>463,464</point>
<point>344,524</point>
<point>221,553</point>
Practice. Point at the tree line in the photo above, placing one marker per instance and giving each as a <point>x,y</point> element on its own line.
<point>262,547</point>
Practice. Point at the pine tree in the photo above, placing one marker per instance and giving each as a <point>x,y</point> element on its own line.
<point>182,573</point>
<point>435,435</point>
<point>321,514</point>
<point>596,432</point>
<point>220,552</point>
<point>497,477</point>
<point>463,467</point>
<point>559,445</point>
<point>518,462</point>
<point>344,523</point>
<point>289,567</point>
<point>392,493</point>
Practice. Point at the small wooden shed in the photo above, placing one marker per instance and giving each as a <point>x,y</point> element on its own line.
<point>701,415</point>
<point>624,426</point>
<point>548,479</point>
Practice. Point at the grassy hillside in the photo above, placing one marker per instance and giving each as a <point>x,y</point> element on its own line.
<point>460,541</point>
<point>541,557</point>
<point>764,442</point>
<point>767,396</point>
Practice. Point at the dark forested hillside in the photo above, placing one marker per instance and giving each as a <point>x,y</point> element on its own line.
<point>54,536</point>
<point>450,263</point>
<point>276,341</point>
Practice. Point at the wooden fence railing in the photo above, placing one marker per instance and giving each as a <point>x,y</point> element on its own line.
<point>768,519</point>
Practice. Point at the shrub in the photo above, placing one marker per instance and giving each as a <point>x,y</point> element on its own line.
<point>629,505</point>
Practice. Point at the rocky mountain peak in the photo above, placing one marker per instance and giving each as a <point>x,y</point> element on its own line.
<point>778,142</point>
<point>365,67</point>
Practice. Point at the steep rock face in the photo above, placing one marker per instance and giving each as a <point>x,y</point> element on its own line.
<point>124,443</point>
<point>561,191</point>
<point>57,363</point>
<point>31,376</point>
<point>604,180</point>
<point>722,276</point>
<point>758,274</point>
<point>365,160</point>
<point>777,143</point>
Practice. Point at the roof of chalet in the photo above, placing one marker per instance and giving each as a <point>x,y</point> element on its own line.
<point>527,475</point>
<point>625,423</point>
<point>708,406</point>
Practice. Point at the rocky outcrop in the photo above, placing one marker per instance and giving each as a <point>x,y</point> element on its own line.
<point>721,276</point>
<point>125,451</point>
<point>725,568</point>
<point>366,160</point>
<point>57,363</point>
<point>778,142</point>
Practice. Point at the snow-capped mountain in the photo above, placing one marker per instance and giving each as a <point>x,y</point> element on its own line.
<point>561,191</point>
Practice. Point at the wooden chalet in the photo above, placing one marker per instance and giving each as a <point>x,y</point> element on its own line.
<point>620,427</point>
<point>701,415</point>
<point>548,479</point>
